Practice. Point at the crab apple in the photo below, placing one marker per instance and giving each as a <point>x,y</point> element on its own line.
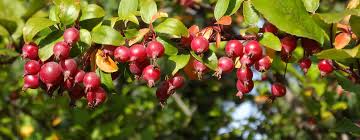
<point>71,35</point>
<point>243,88</point>
<point>199,68</point>
<point>151,74</point>
<point>68,84</point>
<point>109,50</point>
<point>61,50</point>
<point>304,64</point>
<point>91,81</point>
<point>199,44</point>
<point>69,67</point>
<point>186,3</point>
<point>253,50</point>
<point>96,97</point>
<point>325,66</point>
<point>225,65</point>
<point>288,44</point>
<point>155,49</point>
<point>76,92</point>
<point>31,81</point>
<point>244,74</point>
<point>51,74</point>
<point>163,92</point>
<point>32,67</point>
<point>246,60</point>
<point>278,90</point>
<point>79,76</point>
<point>137,53</point>
<point>122,54</point>
<point>100,96</point>
<point>136,68</point>
<point>30,51</point>
<point>175,82</point>
<point>234,48</point>
<point>268,27</point>
<point>263,64</point>
<point>310,46</point>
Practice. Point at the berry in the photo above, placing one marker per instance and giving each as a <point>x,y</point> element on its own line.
<point>263,64</point>
<point>243,88</point>
<point>69,67</point>
<point>30,51</point>
<point>247,60</point>
<point>31,81</point>
<point>100,96</point>
<point>253,50</point>
<point>71,35</point>
<point>176,82</point>
<point>68,84</point>
<point>310,46</point>
<point>109,50</point>
<point>137,53</point>
<point>304,64</point>
<point>244,74</point>
<point>32,67</point>
<point>50,74</point>
<point>122,54</point>
<point>79,76</point>
<point>268,27</point>
<point>325,66</point>
<point>91,81</point>
<point>234,48</point>
<point>288,44</point>
<point>199,68</point>
<point>136,68</point>
<point>163,92</point>
<point>96,97</point>
<point>200,45</point>
<point>76,93</point>
<point>155,49</point>
<point>225,65</point>
<point>151,74</point>
<point>278,90</point>
<point>61,50</point>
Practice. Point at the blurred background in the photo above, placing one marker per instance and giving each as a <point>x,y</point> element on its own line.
<point>313,108</point>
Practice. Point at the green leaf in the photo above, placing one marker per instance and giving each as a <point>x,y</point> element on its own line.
<point>283,12</point>
<point>311,5</point>
<point>170,48</point>
<point>48,43</point>
<point>234,5</point>
<point>336,17</point>
<point>250,15</point>
<point>67,11</point>
<point>85,36</point>
<point>271,41</point>
<point>3,31</point>
<point>127,8</point>
<point>91,11</point>
<point>355,26</point>
<point>333,54</point>
<point>180,61</point>
<point>35,25</point>
<point>346,126</point>
<point>106,80</point>
<point>148,9</point>
<point>173,27</point>
<point>8,52</point>
<point>209,59</point>
<point>107,35</point>
<point>220,8</point>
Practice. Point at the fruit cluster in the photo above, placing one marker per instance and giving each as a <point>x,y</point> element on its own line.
<point>61,72</point>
